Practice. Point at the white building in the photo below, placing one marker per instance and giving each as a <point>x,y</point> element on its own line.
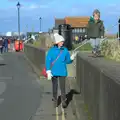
<point>9,34</point>
<point>13,33</point>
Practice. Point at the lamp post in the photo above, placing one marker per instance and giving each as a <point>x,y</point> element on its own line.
<point>40,23</point>
<point>18,7</point>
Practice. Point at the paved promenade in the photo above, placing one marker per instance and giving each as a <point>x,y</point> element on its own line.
<point>23,96</point>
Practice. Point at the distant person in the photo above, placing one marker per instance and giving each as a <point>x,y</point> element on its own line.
<point>1,45</point>
<point>58,56</point>
<point>5,45</point>
<point>95,31</point>
<point>76,39</point>
<point>9,44</point>
<point>81,38</point>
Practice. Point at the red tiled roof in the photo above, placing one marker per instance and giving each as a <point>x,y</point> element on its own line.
<point>77,21</point>
<point>59,21</point>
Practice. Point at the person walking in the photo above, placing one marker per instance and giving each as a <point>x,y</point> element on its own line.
<point>1,45</point>
<point>95,31</point>
<point>9,44</point>
<point>5,45</point>
<point>58,56</point>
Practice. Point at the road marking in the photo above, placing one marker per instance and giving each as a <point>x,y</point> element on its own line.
<point>62,110</point>
<point>63,113</point>
<point>57,114</point>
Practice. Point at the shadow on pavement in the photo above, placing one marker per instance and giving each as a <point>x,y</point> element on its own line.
<point>2,64</point>
<point>69,97</point>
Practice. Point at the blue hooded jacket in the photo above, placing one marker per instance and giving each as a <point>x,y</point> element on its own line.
<point>59,68</point>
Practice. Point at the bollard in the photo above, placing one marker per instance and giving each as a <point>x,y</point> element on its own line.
<point>66,31</point>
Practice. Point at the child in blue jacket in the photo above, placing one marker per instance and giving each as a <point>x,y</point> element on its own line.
<point>58,72</point>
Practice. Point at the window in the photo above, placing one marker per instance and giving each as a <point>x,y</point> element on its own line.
<point>73,31</point>
<point>83,30</point>
<point>80,30</point>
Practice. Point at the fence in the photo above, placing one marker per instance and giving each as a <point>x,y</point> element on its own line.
<point>99,83</point>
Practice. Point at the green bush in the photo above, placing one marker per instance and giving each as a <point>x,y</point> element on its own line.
<point>40,41</point>
<point>44,41</point>
<point>111,49</point>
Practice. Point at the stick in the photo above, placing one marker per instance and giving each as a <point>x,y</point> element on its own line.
<point>85,42</point>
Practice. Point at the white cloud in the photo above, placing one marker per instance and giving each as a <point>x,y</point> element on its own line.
<point>44,6</point>
<point>34,6</point>
<point>79,11</point>
<point>7,20</point>
<point>112,9</point>
<point>112,5</point>
<point>114,13</point>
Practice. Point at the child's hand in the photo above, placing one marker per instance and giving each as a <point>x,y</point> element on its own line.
<point>73,56</point>
<point>49,75</point>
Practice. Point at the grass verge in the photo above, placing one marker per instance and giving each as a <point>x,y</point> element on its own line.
<point>86,47</point>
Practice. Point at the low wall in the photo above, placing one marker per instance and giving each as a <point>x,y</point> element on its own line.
<point>35,55</point>
<point>99,83</point>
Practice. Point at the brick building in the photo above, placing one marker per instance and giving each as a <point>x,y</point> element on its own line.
<point>58,22</point>
<point>78,24</point>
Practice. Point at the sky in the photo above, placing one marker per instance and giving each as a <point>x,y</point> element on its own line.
<point>32,10</point>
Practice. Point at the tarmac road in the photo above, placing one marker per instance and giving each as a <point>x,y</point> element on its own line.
<point>20,93</point>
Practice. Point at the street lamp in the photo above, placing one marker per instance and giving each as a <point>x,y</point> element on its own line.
<point>18,7</point>
<point>40,23</point>
<point>119,29</point>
